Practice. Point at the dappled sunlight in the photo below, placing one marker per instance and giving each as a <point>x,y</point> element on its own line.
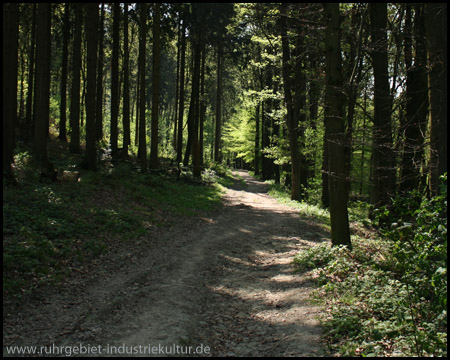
<point>274,297</point>
<point>237,260</point>
<point>274,292</point>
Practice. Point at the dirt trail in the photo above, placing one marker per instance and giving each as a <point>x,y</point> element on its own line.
<point>225,282</point>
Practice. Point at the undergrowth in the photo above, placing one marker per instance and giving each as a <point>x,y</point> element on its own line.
<point>53,227</point>
<point>387,296</point>
<point>307,209</point>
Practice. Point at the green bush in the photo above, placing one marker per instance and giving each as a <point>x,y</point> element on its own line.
<point>388,296</point>
<point>417,229</point>
<point>313,257</point>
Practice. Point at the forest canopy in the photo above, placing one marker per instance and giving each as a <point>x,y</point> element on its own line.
<point>246,82</point>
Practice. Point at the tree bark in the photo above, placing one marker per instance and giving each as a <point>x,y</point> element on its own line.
<point>414,126</point>
<point>99,115</point>
<point>257,126</point>
<point>335,128</point>
<point>115,101</point>
<point>267,163</point>
<point>325,197</point>
<point>31,56</point>
<point>91,87</point>
<point>202,104</point>
<point>196,117</point>
<point>313,110</point>
<point>126,84</point>
<point>218,134</point>
<point>43,56</point>
<point>10,63</point>
<point>142,59</point>
<point>63,105</point>
<point>181,105</point>
<point>138,94</point>
<point>436,29</point>
<point>154,161</point>
<point>292,119</point>
<point>20,120</point>
<point>383,173</point>
<point>192,141</point>
<point>177,88</point>
<point>299,104</point>
<point>75,94</point>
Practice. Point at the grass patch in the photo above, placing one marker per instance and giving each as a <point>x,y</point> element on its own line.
<point>49,227</point>
<point>306,209</point>
<point>169,195</point>
<point>224,176</point>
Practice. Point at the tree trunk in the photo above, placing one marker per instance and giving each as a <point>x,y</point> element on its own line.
<point>335,128</point>
<point>299,105</point>
<point>292,119</point>
<point>177,88</point>
<point>83,91</point>
<point>193,107</point>
<point>202,103</point>
<point>257,126</point>
<point>258,81</point>
<point>313,110</point>
<point>31,56</point>
<point>63,105</point>
<point>99,115</point>
<point>154,161</point>
<point>75,95</point>
<point>267,163</point>
<point>21,123</point>
<point>218,135</point>
<point>115,100</point>
<point>196,113</point>
<point>363,145</point>
<point>10,47</point>
<point>181,108</point>
<point>91,26</point>
<point>383,173</point>
<point>414,126</point>
<point>142,59</point>
<point>43,56</point>
<point>353,75</point>
<point>126,84</point>
<point>325,198</point>
<point>436,29</point>
<point>138,94</point>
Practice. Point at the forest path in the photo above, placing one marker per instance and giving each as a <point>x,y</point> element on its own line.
<point>225,282</point>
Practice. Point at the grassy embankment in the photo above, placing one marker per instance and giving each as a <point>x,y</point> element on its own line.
<point>51,228</point>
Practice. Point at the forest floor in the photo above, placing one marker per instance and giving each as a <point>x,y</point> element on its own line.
<point>222,284</point>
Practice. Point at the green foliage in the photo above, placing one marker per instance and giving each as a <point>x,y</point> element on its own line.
<point>239,136</point>
<point>279,151</point>
<point>417,229</point>
<point>307,209</point>
<point>53,110</point>
<point>50,226</point>
<point>387,297</point>
<point>314,257</point>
